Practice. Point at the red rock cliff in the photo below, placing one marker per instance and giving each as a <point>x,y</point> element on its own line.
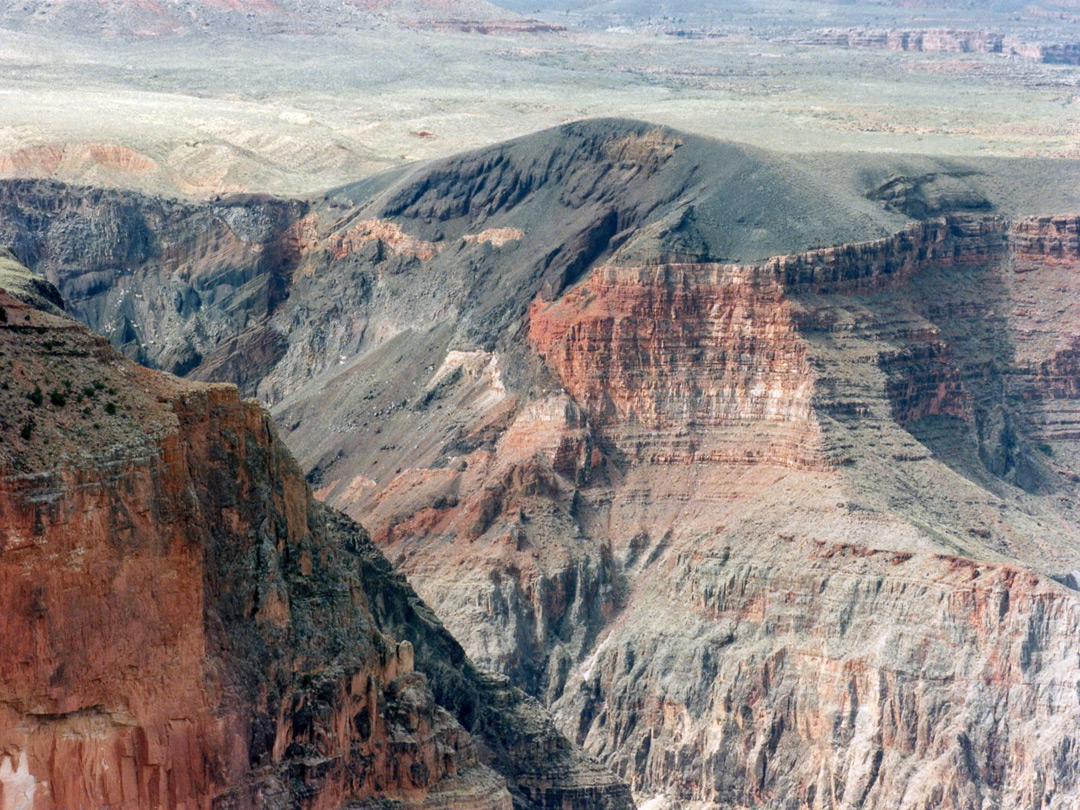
<point>181,630</point>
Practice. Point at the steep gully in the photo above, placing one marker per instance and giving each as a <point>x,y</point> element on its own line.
<point>794,533</point>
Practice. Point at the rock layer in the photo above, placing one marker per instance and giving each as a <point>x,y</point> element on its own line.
<point>776,500</point>
<point>853,637</point>
<point>945,40</point>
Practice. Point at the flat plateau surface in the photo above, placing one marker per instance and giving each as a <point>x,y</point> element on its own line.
<point>296,111</point>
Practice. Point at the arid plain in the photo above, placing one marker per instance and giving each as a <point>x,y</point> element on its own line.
<point>260,101</point>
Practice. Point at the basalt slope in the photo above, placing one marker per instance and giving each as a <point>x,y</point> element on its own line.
<point>186,627</point>
<point>760,470</point>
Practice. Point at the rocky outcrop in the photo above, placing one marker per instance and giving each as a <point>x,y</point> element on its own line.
<point>182,629</point>
<point>786,487</point>
<point>186,627</point>
<point>934,40</point>
<point>672,355</point>
<point>166,282</point>
<point>385,234</point>
<point>804,665</point>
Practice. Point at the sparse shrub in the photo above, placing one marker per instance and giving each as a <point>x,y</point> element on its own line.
<point>36,397</point>
<point>4,385</point>
<point>98,385</point>
<point>110,408</point>
<point>86,411</point>
<point>58,398</point>
<point>3,315</point>
<point>112,392</point>
<point>1045,449</point>
<point>89,391</point>
<point>27,429</point>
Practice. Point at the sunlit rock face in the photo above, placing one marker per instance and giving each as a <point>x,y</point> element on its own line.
<point>875,616</point>
<point>797,531</point>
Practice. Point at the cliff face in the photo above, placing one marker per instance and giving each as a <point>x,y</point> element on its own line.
<point>186,627</point>
<point>867,633</point>
<point>947,41</point>
<point>795,533</point>
<point>166,282</point>
<point>183,630</point>
<point>765,523</point>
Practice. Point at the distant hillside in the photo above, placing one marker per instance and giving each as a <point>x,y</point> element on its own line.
<point>128,18</point>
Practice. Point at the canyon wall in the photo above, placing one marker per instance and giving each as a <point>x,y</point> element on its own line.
<point>947,41</point>
<point>811,519</point>
<point>187,628</point>
<point>866,634</point>
<point>771,510</point>
<point>166,282</point>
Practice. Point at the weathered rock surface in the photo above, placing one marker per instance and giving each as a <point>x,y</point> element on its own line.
<point>888,629</point>
<point>146,272</point>
<point>186,627</point>
<point>753,539</point>
<point>940,40</point>
<point>772,510</point>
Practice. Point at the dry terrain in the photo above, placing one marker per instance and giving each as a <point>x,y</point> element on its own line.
<point>738,428</point>
<point>204,100</point>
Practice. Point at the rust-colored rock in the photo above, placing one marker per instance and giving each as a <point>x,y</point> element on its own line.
<point>384,233</point>
<point>182,629</point>
<point>186,628</point>
<point>798,530</point>
<point>773,499</point>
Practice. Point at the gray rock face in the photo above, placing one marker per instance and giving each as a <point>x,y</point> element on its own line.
<point>21,283</point>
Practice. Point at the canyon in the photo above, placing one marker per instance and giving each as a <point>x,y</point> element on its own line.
<point>758,470</point>
<point>186,627</point>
